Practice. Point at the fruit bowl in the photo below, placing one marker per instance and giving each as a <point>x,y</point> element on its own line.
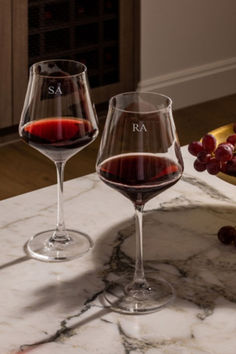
<point>221,135</point>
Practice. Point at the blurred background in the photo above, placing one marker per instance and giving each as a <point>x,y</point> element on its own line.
<point>185,49</point>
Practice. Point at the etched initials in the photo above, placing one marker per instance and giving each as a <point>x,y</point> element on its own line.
<point>55,91</point>
<point>139,128</point>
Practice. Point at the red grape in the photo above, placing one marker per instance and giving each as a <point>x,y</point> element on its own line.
<point>195,147</point>
<point>223,167</point>
<point>199,166</point>
<point>227,234</point>
<point>230,168</point>
<point>229,144</point>
<point>231,139</point>
<point>234,127</point>
<point>209,143</point>
<point>223,153</point>
<point>203,156</point>
<point>213,166</point>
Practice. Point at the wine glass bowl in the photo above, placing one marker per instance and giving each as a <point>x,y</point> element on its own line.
<point>59,120</point>
<point>58,117</point>
<point>140,157</point>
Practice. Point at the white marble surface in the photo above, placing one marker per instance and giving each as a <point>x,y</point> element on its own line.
<point>55,308</point>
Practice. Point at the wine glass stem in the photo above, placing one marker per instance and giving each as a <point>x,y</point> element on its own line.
<point>60,234</point>
<point>139,277</point>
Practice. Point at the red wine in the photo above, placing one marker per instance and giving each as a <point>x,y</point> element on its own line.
<point>138,176</point>
<point>59,138</point>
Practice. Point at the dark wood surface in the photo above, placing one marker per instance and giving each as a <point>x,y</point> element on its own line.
<point>193,122</point>
<point>24,169</point>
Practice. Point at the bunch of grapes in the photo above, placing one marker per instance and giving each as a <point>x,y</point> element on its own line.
<point>215,158</point>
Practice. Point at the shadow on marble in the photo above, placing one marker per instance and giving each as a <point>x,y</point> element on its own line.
<point>14,262</point>
<point>180,243</point>
<point>66,331</point>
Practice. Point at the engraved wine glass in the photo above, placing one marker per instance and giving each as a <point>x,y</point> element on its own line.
<point>58,119</point>
<point>140,157</point>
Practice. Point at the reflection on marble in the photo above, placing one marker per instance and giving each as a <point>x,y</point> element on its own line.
<point>58,308</point>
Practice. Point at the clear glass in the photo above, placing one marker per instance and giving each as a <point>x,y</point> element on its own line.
<point>58,119</point>
<point>140,157</point>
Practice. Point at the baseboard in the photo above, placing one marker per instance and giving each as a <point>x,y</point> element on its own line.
<point>197,84</point>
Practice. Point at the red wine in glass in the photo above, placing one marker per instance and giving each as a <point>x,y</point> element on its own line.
<point>59,137</point>
<point>139,177</point>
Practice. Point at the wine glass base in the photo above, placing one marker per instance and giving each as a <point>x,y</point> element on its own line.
<point>159,295</point>
<point>40,247</point>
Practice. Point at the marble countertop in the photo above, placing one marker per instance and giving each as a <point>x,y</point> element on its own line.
<point>52,308</point>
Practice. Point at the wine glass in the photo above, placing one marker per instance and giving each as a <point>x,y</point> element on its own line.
<point>58,119</point>
<point>140,157</point>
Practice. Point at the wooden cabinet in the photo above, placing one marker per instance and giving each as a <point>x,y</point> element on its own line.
<point>101,33</point>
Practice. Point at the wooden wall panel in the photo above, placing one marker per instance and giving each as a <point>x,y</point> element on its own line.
<point>5,64</point>
<point>20,55</point>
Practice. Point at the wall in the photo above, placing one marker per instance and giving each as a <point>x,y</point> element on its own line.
<point>188,49</point>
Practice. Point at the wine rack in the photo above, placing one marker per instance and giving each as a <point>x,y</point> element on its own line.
<point>103,34</point>
<point>87,31</point>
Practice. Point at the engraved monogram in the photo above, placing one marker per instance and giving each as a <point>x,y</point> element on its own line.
<point>139,127</point>
<point>55,90</point>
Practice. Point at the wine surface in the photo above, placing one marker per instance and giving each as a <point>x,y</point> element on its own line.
<point>58,138</point>
<point>139,176</point>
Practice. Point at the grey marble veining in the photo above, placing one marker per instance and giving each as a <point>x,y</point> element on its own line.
<point>58,308</point>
